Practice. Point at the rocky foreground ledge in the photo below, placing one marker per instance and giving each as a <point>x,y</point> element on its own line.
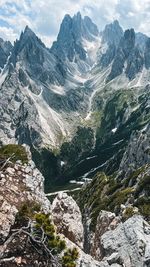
<point>114,243</point>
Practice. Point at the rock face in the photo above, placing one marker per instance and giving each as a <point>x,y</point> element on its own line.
<point>125,47</point>
<point>106,221</point>
<point>68,219</point>
<point>112,33</point>
<point>19,184</point>
<point>137,152</point>
<point>35,58</point>
<point>5,50</point>
<point>86,260</point>
<point>72,32</point>
<point>129,244</point>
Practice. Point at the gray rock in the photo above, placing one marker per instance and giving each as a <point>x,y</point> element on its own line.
<point>136,154</point>
<point>18,191</point>
<point>68,219</point>
<point>69,41</point>
<point>106,221</point>
<point>125,48</point>
<point>112,34</point>
<point>5,50</point>
<point>130,241</point>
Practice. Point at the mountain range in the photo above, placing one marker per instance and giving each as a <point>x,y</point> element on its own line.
<point>81,100</point>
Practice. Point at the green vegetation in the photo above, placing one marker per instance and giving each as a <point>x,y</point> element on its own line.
<point>44,232</point>
<point>129,212</point>
<point>16,152</point>
<point>27,210</point>
<point>144,184</point>
<point>96,196</point>
<point>94,120</point>
<point>143,204</point>
<point>81,144</point>
<point>113,112</point>
<point>47,163</point>
<point>132,179</point>
<point>120,197</point>
<point>54,243</point>
<point>69,258</point>
<point>108,193</point>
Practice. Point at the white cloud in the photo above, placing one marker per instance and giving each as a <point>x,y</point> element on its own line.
<point>8,34</point>
<point>45,16</point>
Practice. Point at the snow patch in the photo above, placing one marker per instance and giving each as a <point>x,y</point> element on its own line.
<point>62,163</point>
<point>58,89</point>
<point>114,130</point>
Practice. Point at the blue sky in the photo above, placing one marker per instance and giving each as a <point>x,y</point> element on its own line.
<point>44,17</point>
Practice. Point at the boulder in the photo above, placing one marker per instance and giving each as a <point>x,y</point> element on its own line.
<point>128,244</point>
<point>106,221</point>
<point>67,217</point>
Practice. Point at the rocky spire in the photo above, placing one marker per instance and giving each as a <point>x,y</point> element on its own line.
<point>112,33</point>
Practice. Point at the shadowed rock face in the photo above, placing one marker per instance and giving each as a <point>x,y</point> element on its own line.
<point>147,54</point>
<point>132,55</point>
<point>124,50</point>
<point>111,37</point>
<point>36,59</point>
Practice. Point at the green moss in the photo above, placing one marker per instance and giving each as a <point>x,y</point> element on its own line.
<point>18,152</point>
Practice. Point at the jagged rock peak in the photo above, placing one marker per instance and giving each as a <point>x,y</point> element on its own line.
<point>126,51</point>
<point>77,16</point>
<point>73,31</point>
<point>77,22</point>
<point>28,47</point>
<point>29,34</point>
<point>112,33</point>
<point>127,42</point>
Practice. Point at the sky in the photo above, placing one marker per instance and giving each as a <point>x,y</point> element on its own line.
<point>44,17</point>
